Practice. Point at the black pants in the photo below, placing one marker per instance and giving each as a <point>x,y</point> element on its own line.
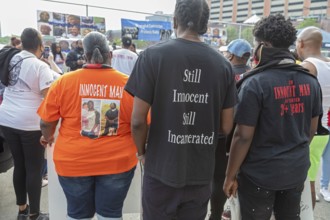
<point>163,202</point>
<point>258,203</point>
<point>28,156</point>
<point>218,197</point>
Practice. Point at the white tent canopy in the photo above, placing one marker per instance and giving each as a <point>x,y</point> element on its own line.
<point>252,20</point>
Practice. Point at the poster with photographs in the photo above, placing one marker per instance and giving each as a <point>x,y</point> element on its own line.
<point>68,25</point>
<point>99,117</point>
<point>215,36</point>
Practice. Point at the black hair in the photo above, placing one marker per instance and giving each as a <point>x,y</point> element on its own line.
<point>53,48</point>
<point>96,48</point>
<point>193,15</point>
<point>31,39</point>
<point>275,30</point>
<point>126,41</point>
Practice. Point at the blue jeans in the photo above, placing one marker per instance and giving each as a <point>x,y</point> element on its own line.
<point>104,195</point>
<point>325,176</point>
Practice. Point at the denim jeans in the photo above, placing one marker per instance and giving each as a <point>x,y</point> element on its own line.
<point>258,203</point>
<point>325,176</point>
<point>104,195</point>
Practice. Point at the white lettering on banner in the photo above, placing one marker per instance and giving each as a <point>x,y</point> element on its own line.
<point>190,139</point>
<point>95,90</point>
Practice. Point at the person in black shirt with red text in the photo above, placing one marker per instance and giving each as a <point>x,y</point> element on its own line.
<point>276,117</point>
<point>191,91</point>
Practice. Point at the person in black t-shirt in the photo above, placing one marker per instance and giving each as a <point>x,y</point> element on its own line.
<point>276,118</point>
<point>75,59</point>
<point>239,52</point>
<point>191,91</point>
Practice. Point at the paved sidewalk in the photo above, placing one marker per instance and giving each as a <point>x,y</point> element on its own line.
<point>8,209</point>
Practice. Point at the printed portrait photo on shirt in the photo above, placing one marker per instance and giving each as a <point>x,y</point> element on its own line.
<point>90,118</point>
<point>109,117</point>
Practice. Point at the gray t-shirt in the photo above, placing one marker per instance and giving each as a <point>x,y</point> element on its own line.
<point>187,85</point>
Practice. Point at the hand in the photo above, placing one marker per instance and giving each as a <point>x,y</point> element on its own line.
<point>46,143</point>
<point>143,161</point>
<point>230,187</point>
<point>80,62</point>
<point>50,57</point>
<point>45,60</point>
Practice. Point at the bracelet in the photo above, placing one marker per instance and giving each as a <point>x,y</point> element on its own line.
<point>139,157</point>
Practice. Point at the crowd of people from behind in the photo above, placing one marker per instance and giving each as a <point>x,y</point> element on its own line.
<point>205,124</point>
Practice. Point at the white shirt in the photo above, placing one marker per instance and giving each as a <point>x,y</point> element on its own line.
<point>124,60</point>
<point>23,96</point>
<point>323,76</point>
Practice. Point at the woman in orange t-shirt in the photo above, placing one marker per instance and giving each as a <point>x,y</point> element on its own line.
<point>95,166</point>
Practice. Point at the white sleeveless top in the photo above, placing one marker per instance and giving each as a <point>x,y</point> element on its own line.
<point>323,75</point>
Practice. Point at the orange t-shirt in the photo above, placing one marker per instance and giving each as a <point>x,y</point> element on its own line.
<point>95,135</point>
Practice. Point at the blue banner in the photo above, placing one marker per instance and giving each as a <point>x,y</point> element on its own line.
<point>146,30</point>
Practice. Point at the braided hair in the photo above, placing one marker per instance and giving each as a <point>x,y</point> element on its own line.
<point>192,15</point>
<point>275,30</point>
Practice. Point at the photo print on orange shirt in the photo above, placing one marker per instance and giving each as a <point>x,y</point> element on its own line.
<point>99,117</point>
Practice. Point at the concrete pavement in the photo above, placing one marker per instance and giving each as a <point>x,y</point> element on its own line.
<point>8,209</point>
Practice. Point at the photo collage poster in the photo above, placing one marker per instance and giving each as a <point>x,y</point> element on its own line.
<point>68,25</point>
<point>215,36</point>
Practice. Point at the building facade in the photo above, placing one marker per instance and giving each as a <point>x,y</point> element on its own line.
<point>240,10</point>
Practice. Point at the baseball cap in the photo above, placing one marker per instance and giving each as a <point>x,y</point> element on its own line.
<point>126,41</point>
<point>239,47</point>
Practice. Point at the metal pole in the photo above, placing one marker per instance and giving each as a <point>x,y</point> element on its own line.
<point>86,10</point>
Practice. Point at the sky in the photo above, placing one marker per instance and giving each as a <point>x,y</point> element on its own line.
<point>17,15</point>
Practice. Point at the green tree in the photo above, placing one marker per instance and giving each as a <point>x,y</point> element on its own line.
<point>232,33</point>
<point>308,22</point>
<point>247,34</point>
<point>4,40</point>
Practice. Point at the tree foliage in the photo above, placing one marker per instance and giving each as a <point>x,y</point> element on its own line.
<point>247,34</point>
<point>5,40</point>
<point>308,22</point>
<point>232,33</point>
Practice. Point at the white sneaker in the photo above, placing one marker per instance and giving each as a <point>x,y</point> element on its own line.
<point>325,193</point>
<point>44,182</point>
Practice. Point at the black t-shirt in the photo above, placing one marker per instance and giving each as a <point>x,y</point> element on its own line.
<point>187,85</point>
<point>240,69</point>
<point>280,105</point>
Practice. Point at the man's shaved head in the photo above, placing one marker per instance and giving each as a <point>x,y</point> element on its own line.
<point>311,36</point>
<point>309,43</point>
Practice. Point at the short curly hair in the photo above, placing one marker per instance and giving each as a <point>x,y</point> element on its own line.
<point>276,30</point>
